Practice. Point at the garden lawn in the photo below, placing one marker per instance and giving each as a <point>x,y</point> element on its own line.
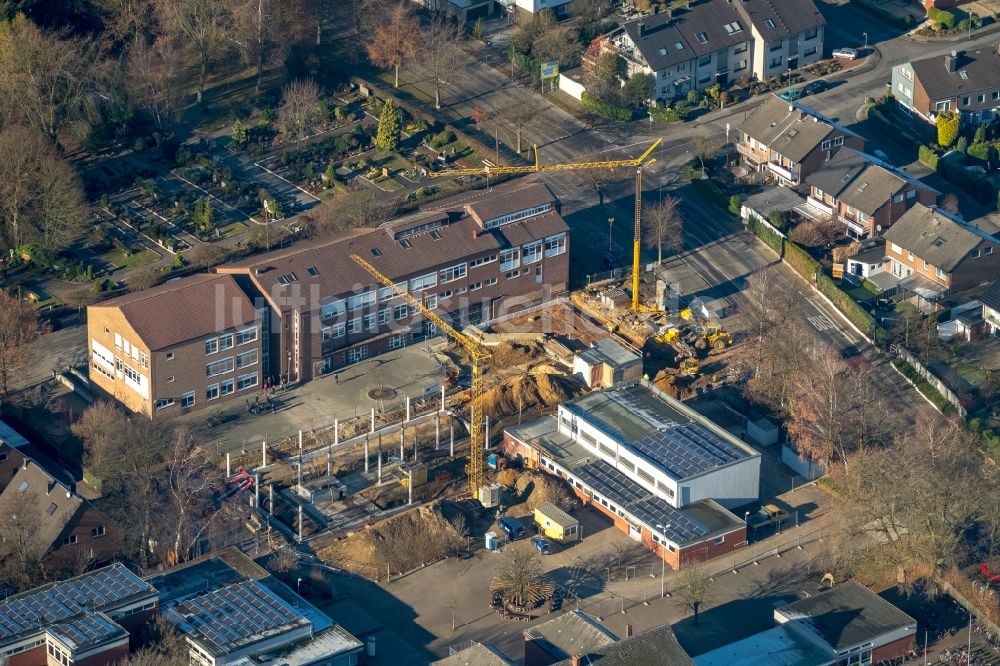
<point>118,259</point>
<point>234,229</point>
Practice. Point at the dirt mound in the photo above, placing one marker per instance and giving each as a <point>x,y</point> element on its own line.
<point>510,354</point>
<point>543,386</point>
<point>536,488</point>
<point>401,543</point>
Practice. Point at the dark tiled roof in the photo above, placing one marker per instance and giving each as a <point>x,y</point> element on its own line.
<point>655,647</point>
<point>477,654</point>
<point>659,42</point>
<point>46,504</point>
<point>457,238</point>
<point>848,615</point>
<point>854,179</point>
<point>982,74</point>
<point>789,17</point>
<point>572,633</point>
<point>938,238</point>
<point>991,297</point>
<point>789,128</point>
<point>184,309</point>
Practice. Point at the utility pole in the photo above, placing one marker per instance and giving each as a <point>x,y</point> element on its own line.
<point>452,437</point>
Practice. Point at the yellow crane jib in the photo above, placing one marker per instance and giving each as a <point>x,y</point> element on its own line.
<point>479,356</point>
<point>638,164</point>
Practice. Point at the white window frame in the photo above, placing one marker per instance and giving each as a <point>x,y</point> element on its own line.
<point>246,336</point>
<point>209,390</point>
<point>188,400</point>
<point>227,387</point>
<point>240,363</point>
<point>243,378</point>
<point>452,273</point>
<point>229,363</point>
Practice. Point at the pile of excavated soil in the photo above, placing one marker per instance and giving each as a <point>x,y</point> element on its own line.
<point>537,488</point>
<point>542,386</point>
<point>403,542</point>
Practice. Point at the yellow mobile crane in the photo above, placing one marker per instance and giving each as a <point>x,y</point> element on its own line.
<point>479,356</point>
<point>638,163</point>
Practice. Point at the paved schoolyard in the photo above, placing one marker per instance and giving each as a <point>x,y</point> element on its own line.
<point>412,371</point>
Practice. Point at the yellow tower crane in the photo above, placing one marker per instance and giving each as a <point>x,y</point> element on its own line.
<point>638,164</point>
<point>479,356</point>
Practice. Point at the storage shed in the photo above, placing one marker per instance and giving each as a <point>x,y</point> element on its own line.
<point>556,524</point>
<point>607,362</point>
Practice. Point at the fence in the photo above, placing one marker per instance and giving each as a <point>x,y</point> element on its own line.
<point>932,379</point>
<point>561,300</point>
<point>606,276</point>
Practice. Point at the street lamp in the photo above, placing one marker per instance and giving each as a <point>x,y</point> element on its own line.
<point>298,586</point>
<point>746,519</point>
<point>663,561</point>
<point>866,39</point>
<point>611,223</point>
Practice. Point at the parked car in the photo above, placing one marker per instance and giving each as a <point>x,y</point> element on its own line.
<point>766,515</point>
<point>512,527</point>
<point>791,94</point>
<point>543,545</point>
<point>845,53</point>
<point>815,87</point>
<point>885,305</point>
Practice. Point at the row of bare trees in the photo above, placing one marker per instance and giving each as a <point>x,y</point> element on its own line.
<point>157,485</point>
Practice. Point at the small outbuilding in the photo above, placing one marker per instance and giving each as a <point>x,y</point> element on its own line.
<point>556,524</point>
<point>607,362</point>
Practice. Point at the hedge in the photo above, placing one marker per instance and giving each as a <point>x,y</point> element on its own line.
<point>927,155</point>
<point>856,314</point>
<point>923,386</point>
<point>603,108</point>
<point>801,261</point>
<point>945,18</point>
<point>671,115</point>
<point>766,234</point>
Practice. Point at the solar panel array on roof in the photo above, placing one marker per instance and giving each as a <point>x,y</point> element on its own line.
<point>88,630</point>
<point>63,600</point>
<point>610,483</point>
<point>682,528</point>
<point>238,613</point>
<point>686,450</point>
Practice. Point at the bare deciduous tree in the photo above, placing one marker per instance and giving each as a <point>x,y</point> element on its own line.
<point>51,80</point>
<point>663,226</point>
<point>518,113</point>
<point>395,40</point>
<point>817,233</point>
<point>19,328</point>
<point>695,587</point>
<point>189,488</point>
<point>299,108</point>
<point>201,25</point>
<point>41,198</point>
<point>705,147</point>
<point>101,427</point>
<point>153,76</point>
<point>264,29</point>
<point>441,51</point>
<point>559,44</point>
<point>127,20</point>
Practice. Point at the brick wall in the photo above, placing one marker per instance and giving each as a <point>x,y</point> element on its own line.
<point>893,650</point>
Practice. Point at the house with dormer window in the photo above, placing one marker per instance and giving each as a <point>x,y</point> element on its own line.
<point>717,41</point>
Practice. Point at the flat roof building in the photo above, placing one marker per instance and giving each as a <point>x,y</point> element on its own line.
<point>664,474</point>
<point>607,362</point>
<point>232,612</point>
<point>82,619</point>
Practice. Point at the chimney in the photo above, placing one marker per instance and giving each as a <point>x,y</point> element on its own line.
<point>628,631</point>
<point>575,660</point>
<point>642,30</point>
<point>656,9</point>
<point>951,61</point>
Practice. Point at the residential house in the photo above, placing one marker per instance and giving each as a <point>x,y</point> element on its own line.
<point>296,313</point>
<point>464,11</point>
<point>933,253</point>
<point>991,308</point>
<point>526,10</point>
<point>790,141</point>
<point>574,633</point>
<point>864,193</point>
<point>964,81</point>
<point>661,472</point>
<point>50,521</point>
<point>180,346</point>
<point>717,41</point>
<point>868,262</point>
<point>83,620</point>
<point>847,624</point>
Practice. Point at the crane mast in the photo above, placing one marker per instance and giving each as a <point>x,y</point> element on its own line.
<point>479,357</point>
<point>638,164</point>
